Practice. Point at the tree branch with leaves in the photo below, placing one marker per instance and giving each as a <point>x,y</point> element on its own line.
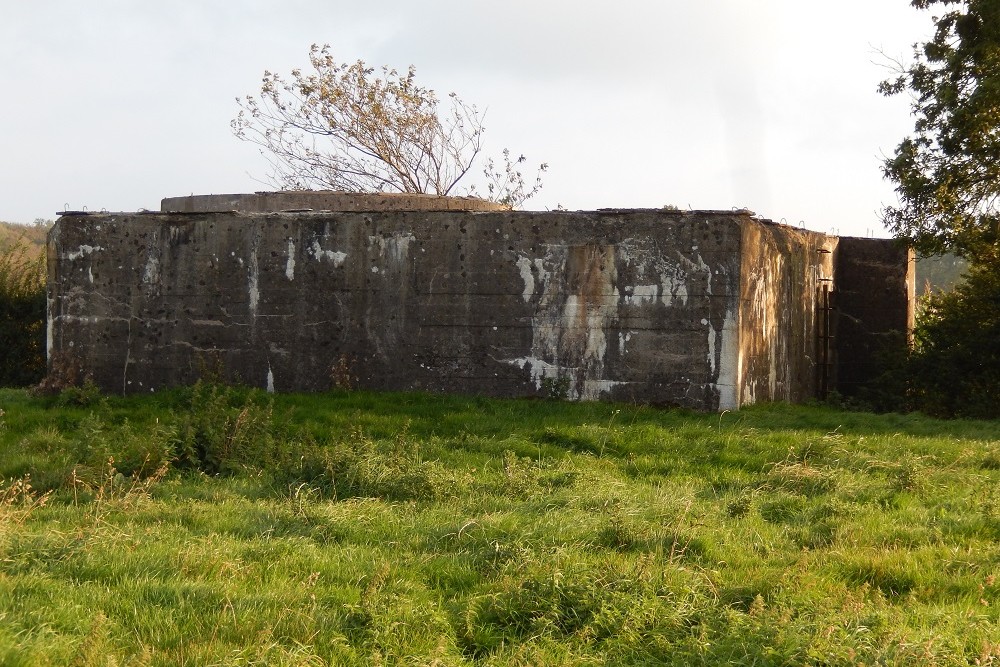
<point>947,174</point>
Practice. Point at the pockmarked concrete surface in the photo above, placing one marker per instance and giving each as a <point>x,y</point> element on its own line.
<point>705,309</point>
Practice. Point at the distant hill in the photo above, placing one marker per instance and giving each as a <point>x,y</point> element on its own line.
<point>33,235</point>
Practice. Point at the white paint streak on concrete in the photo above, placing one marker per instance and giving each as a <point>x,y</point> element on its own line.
<point>538,368</point>
<point>593,388</point>
<point>335,258</point>
<point>254,293</point>
<point>730,364</point>
<point>50,326</point>
<point>253,278</point>
<point>669,288</point>
<point>640,294</point>
<point>290,262</point>
<point>543,275</point>
<point>524,266</point>
<point>623,338</point>
<point>395,247</point>
<point>83,250</point>
<point>570,312</point>
<point>151,273</point>
<point>634,252</point>
<point>712,335</point>
<point>597,342</point>
<point>680,293</point>
<point>705,269</point>
<point>571,321</point>
<point>590,389</point>
<point>88,320</point>
<point>673,276</point>
<point>270,379</point>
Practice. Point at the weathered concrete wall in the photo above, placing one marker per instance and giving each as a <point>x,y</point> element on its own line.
<point>709,310</point>
<point>875,299</point>
<point>630,305</point>
<point>783,272</point>
<point>323,200</point>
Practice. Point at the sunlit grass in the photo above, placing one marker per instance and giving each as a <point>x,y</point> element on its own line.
<point>220,526</point>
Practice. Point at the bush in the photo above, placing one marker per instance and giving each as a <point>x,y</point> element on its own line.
<point>954,369</point>
<point>22,315</point>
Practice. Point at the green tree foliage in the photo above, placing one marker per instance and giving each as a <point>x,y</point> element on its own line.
<point>954,369</point>
<point>947,174</point>
<point>22,315</point>
<point>342,126</point>
<point>947,177</point>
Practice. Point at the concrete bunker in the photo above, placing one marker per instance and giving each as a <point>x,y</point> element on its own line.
<point>710,310</point>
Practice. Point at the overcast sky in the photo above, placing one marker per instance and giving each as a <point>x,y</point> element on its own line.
<point>769,105</point>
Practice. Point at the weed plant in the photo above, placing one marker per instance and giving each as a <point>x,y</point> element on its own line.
<point>221,525</point>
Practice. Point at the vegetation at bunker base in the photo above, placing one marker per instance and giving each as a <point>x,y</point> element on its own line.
<point>215,525</point>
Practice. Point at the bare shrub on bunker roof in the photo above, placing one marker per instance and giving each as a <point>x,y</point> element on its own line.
<point>348,126</point>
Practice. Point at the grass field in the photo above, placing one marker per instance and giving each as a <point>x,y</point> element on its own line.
<point>220,526</point>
